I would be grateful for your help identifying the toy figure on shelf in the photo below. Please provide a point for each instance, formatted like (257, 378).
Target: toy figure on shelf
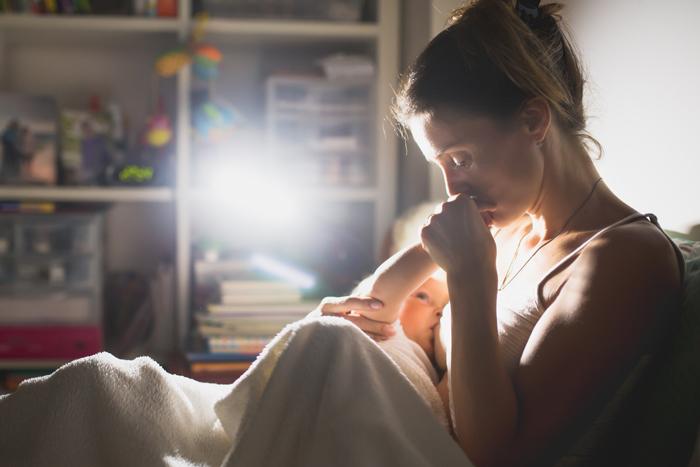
(153, 164)
(159, 131)
(93, 142)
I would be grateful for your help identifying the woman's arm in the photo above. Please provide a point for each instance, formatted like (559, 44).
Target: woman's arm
(395, 279)
(613, 306)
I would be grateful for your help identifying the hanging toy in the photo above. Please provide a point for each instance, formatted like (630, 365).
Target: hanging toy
(214, 121)
(204, 57)
(159, 131)
(171, 62)
(205, 63)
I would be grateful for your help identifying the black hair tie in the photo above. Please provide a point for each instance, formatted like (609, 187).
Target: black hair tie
(528, 11)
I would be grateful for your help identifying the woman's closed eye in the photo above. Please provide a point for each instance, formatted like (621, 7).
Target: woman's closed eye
(461, 160)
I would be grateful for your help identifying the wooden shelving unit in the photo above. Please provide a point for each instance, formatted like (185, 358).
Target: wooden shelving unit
(380, 36)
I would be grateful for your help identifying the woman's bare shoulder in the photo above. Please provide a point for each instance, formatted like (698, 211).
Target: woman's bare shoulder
(638, 245)
(632, 268)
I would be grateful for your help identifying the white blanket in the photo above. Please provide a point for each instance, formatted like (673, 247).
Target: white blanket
(321, 394)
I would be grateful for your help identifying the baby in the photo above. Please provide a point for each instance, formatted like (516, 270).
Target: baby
(416, 346)
(414, 294)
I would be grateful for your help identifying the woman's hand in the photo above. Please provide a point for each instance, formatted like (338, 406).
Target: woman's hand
(356, 310)
(458, 239)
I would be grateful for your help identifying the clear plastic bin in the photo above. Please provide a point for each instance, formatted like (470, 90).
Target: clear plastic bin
(293, 96)
(345, 136)
(50, 237)
(55, 272)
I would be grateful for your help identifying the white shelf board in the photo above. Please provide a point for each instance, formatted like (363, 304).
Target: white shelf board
(321, 194)
(31, 364)
(299, 29)
(86, 23)
(87, 194)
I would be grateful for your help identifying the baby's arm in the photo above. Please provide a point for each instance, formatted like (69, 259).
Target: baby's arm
(395, 279)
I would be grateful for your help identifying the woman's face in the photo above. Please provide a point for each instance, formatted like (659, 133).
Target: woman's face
(420, 313)
(479, 156)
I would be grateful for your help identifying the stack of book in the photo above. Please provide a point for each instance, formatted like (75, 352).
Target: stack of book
(247, 311)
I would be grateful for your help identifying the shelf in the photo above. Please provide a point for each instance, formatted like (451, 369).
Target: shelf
(75, 23)
(87, 194)
(31, 364)
(292, 29)
(320, 194)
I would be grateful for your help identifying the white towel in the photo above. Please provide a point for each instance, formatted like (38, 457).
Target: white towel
(102, 411)
(321, 394)
(417, 368)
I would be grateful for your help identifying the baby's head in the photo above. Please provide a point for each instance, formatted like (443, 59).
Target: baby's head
(421, 311)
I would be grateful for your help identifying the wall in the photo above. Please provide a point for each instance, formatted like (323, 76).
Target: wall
(412, 180)
(419, 181)
(643, 61)
(643, 64)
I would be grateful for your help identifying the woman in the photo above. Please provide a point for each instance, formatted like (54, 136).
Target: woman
(557, 287)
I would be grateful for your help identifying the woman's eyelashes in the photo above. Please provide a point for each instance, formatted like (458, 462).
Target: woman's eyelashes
(461, 160)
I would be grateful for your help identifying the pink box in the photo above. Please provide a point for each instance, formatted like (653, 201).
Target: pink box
(49, 342)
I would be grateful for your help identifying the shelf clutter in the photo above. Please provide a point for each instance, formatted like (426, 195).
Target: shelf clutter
(50, 291)
(151, 8)
(44, 145)
(243, 303)
(303, 82)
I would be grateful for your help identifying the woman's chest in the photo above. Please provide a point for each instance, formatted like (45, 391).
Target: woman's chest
(524, 269)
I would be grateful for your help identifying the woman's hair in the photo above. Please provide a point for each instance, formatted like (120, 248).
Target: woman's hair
(489, 61)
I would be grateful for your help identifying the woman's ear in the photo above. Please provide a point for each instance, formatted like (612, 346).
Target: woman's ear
(535, 116)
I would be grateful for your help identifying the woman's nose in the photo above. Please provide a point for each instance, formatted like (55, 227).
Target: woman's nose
(455, 184)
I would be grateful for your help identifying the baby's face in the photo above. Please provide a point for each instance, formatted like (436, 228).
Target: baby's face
(420, 313)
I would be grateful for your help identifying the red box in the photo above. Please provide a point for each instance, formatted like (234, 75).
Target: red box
(49, 342)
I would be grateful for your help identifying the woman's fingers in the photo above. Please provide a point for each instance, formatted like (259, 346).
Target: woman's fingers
(377, 330)
(341, 305)
(351, 309)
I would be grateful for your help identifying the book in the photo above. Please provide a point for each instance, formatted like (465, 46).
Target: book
(248, 328)
(238, 344)
(219, 366)
(244, 298)
(203, 356)
(257, 286)
(304, 306)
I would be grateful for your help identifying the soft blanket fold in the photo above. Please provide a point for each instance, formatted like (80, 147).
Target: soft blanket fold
(321, 394)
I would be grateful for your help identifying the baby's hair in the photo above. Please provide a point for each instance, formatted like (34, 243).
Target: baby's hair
(406, 229)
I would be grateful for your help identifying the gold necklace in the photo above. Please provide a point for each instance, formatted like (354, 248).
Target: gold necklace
(506, 278)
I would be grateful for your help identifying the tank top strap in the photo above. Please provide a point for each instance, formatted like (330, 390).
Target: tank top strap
(575, 253)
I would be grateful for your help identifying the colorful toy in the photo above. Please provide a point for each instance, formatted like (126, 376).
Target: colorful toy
(169, 63)
(206, 61)
(158, 130)
(214, 121)
(205, 57)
